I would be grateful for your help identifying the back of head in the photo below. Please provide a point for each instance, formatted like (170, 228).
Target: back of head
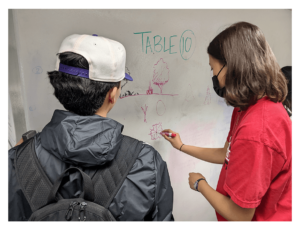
(77, 94)
(287, 71)
(252, 69)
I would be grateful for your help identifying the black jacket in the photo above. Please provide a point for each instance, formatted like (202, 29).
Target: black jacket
(88, 142)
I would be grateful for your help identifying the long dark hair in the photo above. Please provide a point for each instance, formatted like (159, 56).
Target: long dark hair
(252, 69)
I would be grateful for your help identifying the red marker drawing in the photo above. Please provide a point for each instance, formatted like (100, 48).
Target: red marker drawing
(169, 134)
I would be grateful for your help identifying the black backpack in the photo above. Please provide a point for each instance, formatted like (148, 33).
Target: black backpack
(92, 205)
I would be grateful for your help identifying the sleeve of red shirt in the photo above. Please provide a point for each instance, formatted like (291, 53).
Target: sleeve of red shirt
(248, 173)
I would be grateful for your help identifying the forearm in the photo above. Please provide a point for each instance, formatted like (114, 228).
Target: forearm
(212, 155)
(224, 205)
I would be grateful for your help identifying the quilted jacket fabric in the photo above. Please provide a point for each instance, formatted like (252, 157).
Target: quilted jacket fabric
(89, 142)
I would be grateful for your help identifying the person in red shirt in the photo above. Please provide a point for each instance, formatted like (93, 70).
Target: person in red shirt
(255, 180)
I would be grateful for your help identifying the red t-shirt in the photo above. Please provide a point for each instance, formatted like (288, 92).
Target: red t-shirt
(257, 170)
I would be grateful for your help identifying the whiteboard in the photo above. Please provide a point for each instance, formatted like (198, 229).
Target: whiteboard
(172, 87)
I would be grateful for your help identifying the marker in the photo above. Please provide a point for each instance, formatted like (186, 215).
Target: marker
(169, 134)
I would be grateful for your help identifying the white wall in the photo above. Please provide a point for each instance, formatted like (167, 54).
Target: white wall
(11, 127)
(16, 114)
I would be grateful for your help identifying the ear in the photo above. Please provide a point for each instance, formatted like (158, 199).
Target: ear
(112, 94)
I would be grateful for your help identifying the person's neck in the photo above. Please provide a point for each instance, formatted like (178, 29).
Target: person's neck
(103, 111)
(101, 114)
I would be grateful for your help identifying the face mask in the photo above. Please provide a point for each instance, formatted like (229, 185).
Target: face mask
(218, 90)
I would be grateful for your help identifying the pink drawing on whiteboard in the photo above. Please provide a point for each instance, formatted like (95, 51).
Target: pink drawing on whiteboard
(155, 131)
(208, 97)
(150, 89)
(160, 78)
(189, 93)
(160, 74)
(132, 94)
(160, 108)
(145, 111)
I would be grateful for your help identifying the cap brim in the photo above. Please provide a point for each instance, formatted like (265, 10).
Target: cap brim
(127, 77)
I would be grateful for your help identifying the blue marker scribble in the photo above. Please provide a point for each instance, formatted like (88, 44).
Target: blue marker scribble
(37, 70)
(32, 108)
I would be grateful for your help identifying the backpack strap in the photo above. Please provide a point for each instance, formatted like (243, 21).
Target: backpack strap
(88, 188)
(108, 180)
(32, 179)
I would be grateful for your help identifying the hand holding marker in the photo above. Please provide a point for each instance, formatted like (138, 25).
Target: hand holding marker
(173, 138)
(168, 134)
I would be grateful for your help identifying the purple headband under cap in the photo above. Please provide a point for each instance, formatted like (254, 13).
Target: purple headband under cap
(81, 72)
(73, 70)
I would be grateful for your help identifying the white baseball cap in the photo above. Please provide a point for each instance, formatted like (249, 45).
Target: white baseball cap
(106, 58)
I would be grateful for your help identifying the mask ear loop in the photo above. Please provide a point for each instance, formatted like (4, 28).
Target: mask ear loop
(221, 70)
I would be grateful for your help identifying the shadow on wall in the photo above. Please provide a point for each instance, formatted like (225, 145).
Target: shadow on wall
(11, 134)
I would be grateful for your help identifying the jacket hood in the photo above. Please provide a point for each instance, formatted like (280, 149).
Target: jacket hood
(82, 140)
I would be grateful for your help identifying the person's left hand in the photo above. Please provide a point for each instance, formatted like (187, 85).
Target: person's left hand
(193, 177)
